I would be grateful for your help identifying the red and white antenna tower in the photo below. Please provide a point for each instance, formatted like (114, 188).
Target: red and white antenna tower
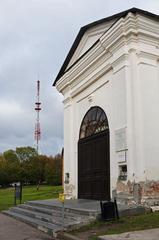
(37, 133)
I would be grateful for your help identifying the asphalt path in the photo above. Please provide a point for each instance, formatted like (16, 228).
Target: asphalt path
(11, 229)
(151, 234)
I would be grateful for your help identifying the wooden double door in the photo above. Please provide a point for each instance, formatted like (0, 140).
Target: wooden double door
(94, 167)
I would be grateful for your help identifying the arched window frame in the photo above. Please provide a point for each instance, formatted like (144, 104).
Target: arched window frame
(94, 121)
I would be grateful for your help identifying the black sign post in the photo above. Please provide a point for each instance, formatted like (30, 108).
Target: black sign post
(17, 193)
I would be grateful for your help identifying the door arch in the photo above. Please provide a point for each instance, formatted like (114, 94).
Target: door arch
(93, 156)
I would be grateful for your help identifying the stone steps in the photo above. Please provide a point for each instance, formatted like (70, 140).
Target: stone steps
(44, 210)
(43, 216)
(72, 210)
(48, 228)
(49, 218)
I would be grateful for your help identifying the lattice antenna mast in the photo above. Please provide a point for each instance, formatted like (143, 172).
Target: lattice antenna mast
(37, 124)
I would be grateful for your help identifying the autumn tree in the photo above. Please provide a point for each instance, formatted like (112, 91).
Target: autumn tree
(25, 165)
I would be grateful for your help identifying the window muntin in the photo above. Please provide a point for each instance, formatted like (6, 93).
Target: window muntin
(95, 121)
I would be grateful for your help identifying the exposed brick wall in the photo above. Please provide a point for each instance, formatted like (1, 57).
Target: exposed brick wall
(140, 193)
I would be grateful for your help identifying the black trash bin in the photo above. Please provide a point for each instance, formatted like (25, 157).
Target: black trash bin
(109, 210)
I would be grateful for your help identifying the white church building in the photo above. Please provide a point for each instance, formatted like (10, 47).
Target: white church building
(110, 84)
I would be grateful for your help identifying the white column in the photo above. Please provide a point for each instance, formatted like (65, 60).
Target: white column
(134, 120)
(68, 150)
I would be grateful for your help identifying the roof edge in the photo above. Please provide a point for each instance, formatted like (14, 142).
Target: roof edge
(95, 23)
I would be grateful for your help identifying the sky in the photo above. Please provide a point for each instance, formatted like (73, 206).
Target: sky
(35, 37)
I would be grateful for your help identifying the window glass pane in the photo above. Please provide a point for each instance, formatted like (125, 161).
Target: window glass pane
(95, 121)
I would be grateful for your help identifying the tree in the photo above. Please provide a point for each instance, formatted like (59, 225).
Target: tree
(37, 168)
(58, 169)
(3, 174)
(25, 153)
(49, 172)
(10, 156)
(53, 170)
(11, 164)
(25, 165)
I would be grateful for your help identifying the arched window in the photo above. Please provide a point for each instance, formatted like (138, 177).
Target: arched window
(95, 121)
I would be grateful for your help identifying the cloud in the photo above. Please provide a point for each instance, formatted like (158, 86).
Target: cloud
(8, 109)
(35, 37)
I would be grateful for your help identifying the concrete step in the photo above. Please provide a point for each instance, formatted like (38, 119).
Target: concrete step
(48, 228)
(68, 209)
(48, 218)
(51, 212)
(45, 217)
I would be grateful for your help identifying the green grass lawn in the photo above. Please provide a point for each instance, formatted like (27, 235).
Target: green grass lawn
(29, 193)
(125, 224)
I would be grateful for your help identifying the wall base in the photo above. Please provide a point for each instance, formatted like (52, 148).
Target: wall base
(143, 192)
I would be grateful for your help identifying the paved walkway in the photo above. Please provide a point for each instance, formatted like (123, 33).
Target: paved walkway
(11, 229)
(152, 234)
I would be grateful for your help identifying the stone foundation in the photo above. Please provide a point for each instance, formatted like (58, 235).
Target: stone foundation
(146, 193)
(69, 190)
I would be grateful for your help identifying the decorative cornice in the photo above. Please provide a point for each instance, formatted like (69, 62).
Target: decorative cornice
(148, 58)
(79, 68)
(67, 102)
(120, 62)
(90, 33)
(90, 80)
(112, 52)
(92, 93)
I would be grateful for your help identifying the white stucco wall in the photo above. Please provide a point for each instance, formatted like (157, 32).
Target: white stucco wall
(109, 92)
(149, 82)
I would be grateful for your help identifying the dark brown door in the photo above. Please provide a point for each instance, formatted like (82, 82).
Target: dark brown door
(94, 167)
